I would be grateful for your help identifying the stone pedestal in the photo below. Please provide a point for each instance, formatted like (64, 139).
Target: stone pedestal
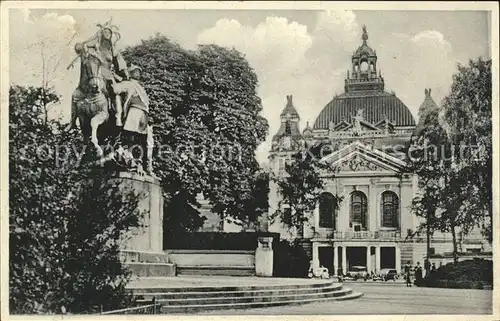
(264, 257)
(142, 247)
(148, 237)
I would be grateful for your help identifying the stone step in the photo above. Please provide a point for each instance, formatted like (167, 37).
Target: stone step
(215, 270)
(313, 284)
(250, 299)
(147, 297)
(346, 294)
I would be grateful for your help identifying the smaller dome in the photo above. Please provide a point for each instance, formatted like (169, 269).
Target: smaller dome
(363, 50)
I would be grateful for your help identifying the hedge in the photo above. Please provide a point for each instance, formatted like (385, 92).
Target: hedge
(290, 260)
(245, 241)
(454, 284)
(470, 274)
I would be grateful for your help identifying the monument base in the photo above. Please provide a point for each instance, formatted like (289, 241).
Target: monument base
(142, 247)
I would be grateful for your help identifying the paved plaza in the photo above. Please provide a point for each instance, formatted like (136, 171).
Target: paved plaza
(388, 298)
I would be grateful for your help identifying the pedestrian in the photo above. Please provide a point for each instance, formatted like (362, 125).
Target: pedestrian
(433, 268)
(407, 274)
(418, 275)
(427, 267)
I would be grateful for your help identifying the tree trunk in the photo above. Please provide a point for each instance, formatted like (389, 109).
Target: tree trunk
(427, 264)
(455, 250)
(300, 226)
(221, 223)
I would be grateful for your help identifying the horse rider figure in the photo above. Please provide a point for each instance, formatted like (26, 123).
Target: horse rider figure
(114, 66)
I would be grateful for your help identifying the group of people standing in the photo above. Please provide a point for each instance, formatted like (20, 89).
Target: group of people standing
(418, 272)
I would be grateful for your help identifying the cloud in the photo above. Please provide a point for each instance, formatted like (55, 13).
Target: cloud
(308, 61)
(311, 64)
(290, 59)
(422, 60)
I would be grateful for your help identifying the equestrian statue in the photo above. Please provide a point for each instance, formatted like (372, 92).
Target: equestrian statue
(110, 103)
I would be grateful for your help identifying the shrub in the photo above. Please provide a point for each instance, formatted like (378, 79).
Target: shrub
(65, 229)
(290, 260)
(470, 274)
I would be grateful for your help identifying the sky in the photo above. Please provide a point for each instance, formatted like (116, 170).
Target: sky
(305, 53)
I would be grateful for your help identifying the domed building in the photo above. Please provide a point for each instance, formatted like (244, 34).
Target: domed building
(364, 134)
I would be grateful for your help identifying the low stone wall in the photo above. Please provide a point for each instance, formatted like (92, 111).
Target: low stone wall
(215, 258)
(449, 259)
(145, 269)
(143, 263)
(143, 256)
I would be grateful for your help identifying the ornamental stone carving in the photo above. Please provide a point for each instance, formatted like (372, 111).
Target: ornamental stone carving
(357, 163)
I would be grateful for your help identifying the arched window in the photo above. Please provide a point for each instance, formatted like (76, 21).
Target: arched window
(358, 209)
(327, 210)
(390, 209)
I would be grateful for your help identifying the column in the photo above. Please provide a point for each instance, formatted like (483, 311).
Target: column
(372, 208)
(344, 259)
(335, 260)
(264, 257)
(377, 258)
(368, 259)
(398, 259)
(316, 218)
(315, 255)
(344, 215)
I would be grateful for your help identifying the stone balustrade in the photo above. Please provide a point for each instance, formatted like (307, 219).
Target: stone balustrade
(361, 235)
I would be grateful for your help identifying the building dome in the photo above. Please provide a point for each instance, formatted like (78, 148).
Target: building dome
(377, 106)
(364, 89)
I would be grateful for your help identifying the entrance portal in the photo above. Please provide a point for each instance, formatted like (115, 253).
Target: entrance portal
(387, 257)
(356, 256)
(326, 257)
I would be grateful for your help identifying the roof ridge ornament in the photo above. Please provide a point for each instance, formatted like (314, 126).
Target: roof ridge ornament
(365, 35)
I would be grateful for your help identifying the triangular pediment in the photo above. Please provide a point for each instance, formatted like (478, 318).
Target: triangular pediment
(341, 126)
(358, 157)
(365, 126)
(385, 123)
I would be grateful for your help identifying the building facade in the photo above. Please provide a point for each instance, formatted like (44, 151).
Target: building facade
(363, 134)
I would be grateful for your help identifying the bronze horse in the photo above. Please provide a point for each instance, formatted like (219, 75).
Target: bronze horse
(90, 102)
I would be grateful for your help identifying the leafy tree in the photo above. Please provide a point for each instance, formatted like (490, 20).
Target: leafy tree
(424, 159)
(468, 114)
(207, 126)
(300, 187)
(64, 231)
(453, 180)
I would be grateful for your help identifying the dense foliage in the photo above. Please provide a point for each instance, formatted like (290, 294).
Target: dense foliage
(290, 260)
(452, 156)
(205, 112)
(465, 274)
(64, 232)
(299, 188)
(468, 113)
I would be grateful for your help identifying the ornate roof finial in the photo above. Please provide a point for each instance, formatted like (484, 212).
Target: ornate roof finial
(365, 35)
(289, 99)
